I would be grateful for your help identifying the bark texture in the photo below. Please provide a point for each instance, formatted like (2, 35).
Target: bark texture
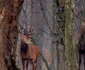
(9, 10)
(69, 36)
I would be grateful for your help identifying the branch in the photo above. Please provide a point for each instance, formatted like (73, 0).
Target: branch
(44, 61)
(42, 9)
(35, 27)
(77, 16)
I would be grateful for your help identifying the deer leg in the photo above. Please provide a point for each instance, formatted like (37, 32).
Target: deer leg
(79, 61)
(23, 63)
(27, 63)
(34, 65)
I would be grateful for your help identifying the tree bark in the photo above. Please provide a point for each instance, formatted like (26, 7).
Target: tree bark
(8, 30)
(54, 50)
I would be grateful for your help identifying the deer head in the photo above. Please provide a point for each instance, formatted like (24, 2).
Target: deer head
(29, 31)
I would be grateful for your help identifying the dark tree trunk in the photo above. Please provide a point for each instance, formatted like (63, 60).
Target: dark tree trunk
(8, 29)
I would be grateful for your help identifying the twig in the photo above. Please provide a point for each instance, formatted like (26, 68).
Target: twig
(42, 9)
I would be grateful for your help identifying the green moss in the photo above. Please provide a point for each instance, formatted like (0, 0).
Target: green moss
(69, 31)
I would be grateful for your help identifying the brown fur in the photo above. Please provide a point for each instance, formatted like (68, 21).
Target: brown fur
(31, 55)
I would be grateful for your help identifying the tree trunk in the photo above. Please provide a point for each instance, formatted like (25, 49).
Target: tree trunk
(8, 30)
(69, 36)
(54, 50)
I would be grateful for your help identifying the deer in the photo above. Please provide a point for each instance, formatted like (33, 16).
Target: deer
(81, 40)
(28, 51)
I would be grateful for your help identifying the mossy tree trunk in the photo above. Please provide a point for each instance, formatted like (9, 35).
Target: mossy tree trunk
(70, 48)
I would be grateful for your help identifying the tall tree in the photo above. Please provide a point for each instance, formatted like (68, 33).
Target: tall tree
(69, 36)
(9, 10)
(54, 55)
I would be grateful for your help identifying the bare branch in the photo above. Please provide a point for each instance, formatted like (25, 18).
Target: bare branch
(41, 6)
(77, 16)
(34, 27)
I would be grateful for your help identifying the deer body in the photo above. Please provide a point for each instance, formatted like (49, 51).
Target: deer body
(81, 40)
(81, 44)
(32, 53)
(29, 53)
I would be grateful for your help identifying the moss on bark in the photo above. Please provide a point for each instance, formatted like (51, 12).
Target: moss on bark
(69, 38)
